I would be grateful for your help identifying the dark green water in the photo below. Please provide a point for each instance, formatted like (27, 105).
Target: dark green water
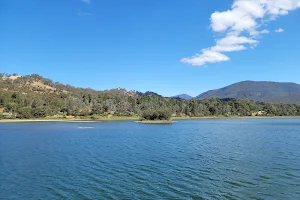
(201, 159)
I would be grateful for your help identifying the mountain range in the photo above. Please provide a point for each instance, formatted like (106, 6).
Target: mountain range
(262, 91)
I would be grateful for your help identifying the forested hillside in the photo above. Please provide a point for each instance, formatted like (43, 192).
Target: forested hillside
(33, 96)
(263, 91)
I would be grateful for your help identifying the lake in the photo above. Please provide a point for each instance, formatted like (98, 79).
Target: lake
(190, 159)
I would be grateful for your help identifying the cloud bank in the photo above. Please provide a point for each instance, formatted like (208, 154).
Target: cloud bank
(241, 27)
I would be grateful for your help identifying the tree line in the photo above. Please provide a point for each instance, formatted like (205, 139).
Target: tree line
(33, 96)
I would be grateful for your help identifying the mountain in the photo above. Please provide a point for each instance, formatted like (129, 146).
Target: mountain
(183, 96)
(263, 91)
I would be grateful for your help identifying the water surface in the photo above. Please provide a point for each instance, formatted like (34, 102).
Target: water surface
(195, 159)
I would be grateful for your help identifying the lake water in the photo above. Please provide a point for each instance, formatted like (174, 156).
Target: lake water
(195, 159)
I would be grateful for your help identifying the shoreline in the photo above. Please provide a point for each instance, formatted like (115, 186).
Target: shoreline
(144, 122)
(108, 119)
(236, 117)
(156, 122)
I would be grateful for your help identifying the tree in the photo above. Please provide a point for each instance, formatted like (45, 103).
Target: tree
(24, 113)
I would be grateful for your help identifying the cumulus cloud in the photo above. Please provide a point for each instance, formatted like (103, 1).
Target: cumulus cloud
(280, 30)
(207, 56)
(241, 26)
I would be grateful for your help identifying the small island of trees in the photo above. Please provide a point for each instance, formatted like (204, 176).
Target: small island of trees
(158, 116)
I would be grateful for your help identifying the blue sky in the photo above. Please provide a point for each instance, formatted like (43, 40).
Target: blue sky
(169, 47)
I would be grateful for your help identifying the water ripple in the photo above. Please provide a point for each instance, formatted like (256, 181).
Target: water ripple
(201, 159)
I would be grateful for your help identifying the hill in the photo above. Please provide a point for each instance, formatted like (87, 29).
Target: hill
(262, 91)
(183, 96)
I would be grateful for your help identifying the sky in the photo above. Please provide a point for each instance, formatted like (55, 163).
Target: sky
(169, 47)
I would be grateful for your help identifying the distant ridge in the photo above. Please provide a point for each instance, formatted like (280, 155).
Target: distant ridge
(263, 91)
(183, 96)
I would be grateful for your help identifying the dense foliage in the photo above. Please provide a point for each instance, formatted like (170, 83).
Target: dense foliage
(156, 115)
(35, 97)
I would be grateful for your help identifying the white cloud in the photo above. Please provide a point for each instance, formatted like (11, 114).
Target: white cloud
(280, 30)
(241, 17)
(265, 31)
(232, 40)
(241, 26)
(207, 56)
(86, 1)
(232, 43)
